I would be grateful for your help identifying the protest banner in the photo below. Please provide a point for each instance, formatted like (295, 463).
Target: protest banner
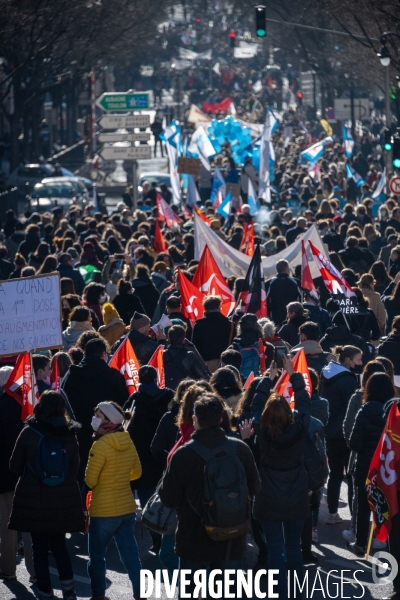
(233, 262)
(190, 166)
(30, 314)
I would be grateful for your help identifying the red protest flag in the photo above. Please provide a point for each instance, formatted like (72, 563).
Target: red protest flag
(283, 385)
(165, 212)
(191, 297)
(157, 361)
(335, 283)
(253, 296)
(307, 282)
(209, 280)
(222, 106)
(125, 361)
(248, 381)
(159, 244)
(248, 239)
(383, 483)
(55, 379)
(262, 357)
(21, 385)
(202, 216)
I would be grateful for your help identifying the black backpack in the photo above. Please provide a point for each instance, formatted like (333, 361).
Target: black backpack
(51, 461)
(313, 462)
(174, 369)
(226, 501)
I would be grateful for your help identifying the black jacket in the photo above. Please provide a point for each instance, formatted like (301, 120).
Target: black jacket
(392, 310)
(281, 290)
(391, 349)
(147, 293)
(358, 259)
(143, 346)
(363, 324)
(318, 315)
(127, 305)
(148, 405)
(37, 507)
(166, 436)
(180, 363)
(340, 335)
(337, 385)
(87, 384)
(284, 492)
(10, 428)
(211, 334)
(365, 437)
(289, 332)
(183, 488)
(67, 270)
(6, 268)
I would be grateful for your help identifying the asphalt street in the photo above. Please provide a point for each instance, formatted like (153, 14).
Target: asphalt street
(331, 550)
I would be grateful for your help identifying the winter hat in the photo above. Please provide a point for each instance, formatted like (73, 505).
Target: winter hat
(109, 313)
(111, 412)
(248, 320)
(215, 224)
(138, 321)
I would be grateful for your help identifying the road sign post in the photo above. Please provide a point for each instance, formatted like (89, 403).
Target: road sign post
(124, 121)
(134, 184)
(125, 152)
(124, 101)
(106, 138)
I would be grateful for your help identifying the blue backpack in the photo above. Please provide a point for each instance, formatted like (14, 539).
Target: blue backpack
(250, 359)
(51, 462)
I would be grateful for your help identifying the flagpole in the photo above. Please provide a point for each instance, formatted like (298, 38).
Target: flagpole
(371, 534)
(32, 380)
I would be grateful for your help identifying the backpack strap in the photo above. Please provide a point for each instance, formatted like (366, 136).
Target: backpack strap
(208, 453)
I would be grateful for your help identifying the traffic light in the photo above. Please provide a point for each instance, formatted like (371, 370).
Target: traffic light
(261, 21)
(232, 37)
(396, 153)
(387, 140)
(299, 96)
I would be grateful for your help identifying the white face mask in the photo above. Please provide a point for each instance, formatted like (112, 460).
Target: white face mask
(102, 298)
(96, 422)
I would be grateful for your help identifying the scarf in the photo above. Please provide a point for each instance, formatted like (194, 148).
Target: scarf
(186, 433)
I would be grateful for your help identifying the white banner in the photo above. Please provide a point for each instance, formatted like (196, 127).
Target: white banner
(197, 116)
(30, 314)
(233, 262)
(190, 55)
(245, 50)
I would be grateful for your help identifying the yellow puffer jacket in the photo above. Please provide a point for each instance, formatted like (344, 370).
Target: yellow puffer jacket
(113, 463)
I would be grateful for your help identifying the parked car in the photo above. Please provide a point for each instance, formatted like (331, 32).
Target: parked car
(76, 182)
(46, 196)
(26, 176)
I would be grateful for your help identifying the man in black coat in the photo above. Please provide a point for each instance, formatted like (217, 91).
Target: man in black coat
(87, 384)
(179, 362)
(340, 335)
(66, 269)
(212, 333)
(182, 488)
(143, 346)
(281, 290)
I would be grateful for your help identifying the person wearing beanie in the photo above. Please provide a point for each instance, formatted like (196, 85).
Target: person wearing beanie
(113, 327)
(113, 464)
(143, 346)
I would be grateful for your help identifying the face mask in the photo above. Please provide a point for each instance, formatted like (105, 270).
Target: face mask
(102, 298)
(96, 422)
(47, 380)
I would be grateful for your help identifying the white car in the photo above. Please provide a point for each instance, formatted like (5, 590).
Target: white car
(46, 196)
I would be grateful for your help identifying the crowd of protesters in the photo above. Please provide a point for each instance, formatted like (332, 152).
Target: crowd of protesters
(124, 449)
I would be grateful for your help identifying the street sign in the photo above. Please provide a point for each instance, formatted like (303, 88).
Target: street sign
(343, 109)
(124, 121)
(125, 152)
(104, 138)
(394, 185)
(124, 101)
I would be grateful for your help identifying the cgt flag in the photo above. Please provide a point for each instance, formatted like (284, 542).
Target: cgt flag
(209, 280)
(21, 385)
(159, 244)
(165, 212)
(253, 296)
(283, 385)
(157, 361)
(336, 283)
(248, 239)
(382, 483)
(125, 361)
(192, 298)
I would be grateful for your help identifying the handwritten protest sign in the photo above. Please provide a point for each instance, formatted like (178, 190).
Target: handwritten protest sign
(30, 314)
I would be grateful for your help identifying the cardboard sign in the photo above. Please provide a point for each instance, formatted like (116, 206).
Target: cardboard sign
(234, 188)
(190, 166)
(30, 314)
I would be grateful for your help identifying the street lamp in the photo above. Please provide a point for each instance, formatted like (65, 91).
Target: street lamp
(384, 57)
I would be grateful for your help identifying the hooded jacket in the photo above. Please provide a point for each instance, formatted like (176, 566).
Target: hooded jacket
(180, 363)
(113, 464)
(340, 335)
(337, 385)
(365, 437)
(148, 406)
(160, 281)
(113, 330)
(73, 332)
(39, 508)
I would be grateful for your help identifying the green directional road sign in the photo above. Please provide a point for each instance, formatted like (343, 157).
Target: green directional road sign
(124, 101)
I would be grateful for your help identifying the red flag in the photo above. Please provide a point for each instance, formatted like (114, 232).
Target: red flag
(383, 476)
(159, 244)
(222, 106)
(261, 354)
(307, 282)
(191, 297)
(165, 212)
(202, 216)
(253, 296)
(209, 280)
(21, 385)
(55, 379)
(248, 381)
(335, 283)
(186, 213)
(125, 361)
(283, 385)
(248, 240)
(157, 361)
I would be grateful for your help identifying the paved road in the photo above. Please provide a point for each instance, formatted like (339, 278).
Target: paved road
(331, 551)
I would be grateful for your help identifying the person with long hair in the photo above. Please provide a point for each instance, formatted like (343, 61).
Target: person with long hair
(37, 257)
(364, 439)
(48, 512)
(49, 265)
(381, 276)
(367, 286)
(390, 348)
(227, 386)
(126, 302)
(80, 320)
(94, 297)
(392, 305)
(283, 504)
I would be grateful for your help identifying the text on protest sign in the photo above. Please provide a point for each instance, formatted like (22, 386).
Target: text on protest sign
(30, 314)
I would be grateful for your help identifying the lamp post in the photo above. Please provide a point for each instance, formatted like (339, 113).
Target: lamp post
(384, 57)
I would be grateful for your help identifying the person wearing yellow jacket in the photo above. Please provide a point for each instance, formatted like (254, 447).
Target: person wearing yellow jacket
(113, 464)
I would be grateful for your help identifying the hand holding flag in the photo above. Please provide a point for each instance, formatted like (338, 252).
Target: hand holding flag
(125, 361)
